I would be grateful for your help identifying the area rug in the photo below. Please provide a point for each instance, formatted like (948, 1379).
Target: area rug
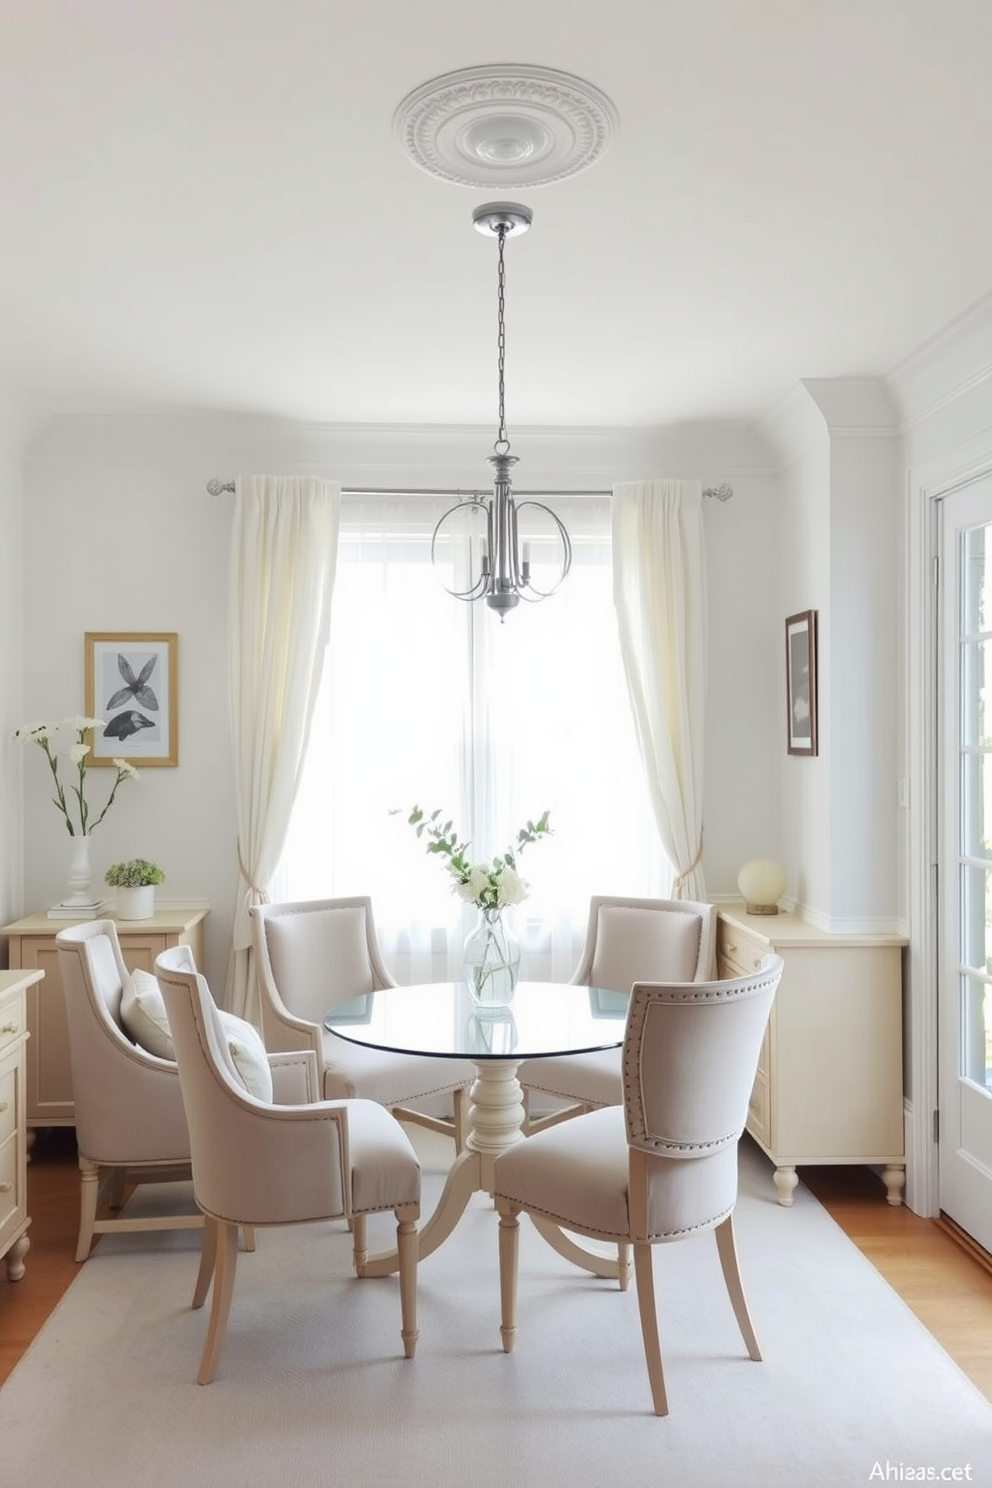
(311, 1389)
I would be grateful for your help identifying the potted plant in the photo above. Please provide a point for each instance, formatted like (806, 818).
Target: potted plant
(135, 883)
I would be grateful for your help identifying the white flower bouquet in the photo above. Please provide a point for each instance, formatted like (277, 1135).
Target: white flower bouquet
(491, 886)
(43, 735)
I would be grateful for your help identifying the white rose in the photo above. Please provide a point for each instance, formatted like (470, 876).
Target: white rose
(511, 888)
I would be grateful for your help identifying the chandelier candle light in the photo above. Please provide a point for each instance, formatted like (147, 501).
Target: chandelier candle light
(503, 576)
(492, 953)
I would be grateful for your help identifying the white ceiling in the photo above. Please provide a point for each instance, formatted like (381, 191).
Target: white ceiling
(203, 206)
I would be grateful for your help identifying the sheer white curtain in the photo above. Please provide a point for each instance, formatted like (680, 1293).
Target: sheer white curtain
(660, 592)
(432, 702)
(283, 545)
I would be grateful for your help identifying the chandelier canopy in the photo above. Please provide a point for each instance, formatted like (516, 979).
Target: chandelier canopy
(499, 566)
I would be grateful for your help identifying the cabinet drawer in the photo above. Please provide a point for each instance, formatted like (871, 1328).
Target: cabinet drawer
(8, 1102)
(13, 1016)
(10, 1198)
(738, 953)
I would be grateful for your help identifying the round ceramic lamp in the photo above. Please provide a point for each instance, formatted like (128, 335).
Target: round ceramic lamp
(762, 882)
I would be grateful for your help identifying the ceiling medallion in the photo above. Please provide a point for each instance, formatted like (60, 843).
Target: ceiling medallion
(505, 125)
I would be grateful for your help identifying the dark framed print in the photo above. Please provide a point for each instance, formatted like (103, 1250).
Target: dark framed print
(800, 681)
(132, 686)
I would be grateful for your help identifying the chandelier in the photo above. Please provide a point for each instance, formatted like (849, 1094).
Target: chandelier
(499, 566)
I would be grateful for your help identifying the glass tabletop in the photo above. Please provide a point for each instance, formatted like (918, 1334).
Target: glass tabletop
(439, 1018)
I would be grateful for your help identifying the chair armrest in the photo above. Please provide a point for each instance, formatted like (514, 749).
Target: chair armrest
(294, 1077)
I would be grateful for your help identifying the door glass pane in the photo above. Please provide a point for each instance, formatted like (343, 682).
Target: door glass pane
(976, 661)
(976, 804)
(976, 918)
(974, 586)
(976, 1042)
(975, 807)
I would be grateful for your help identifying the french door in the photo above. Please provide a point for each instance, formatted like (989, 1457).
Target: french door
(964, 753)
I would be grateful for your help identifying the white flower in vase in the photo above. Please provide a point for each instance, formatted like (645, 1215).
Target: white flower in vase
(492, 953)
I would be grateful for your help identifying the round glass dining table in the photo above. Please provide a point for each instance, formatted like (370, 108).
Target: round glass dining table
(440, 1019)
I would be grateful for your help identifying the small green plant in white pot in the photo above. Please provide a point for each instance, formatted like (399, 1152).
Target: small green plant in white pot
(135, 883)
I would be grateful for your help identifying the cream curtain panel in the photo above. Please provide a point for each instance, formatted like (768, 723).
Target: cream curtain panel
(659, 587)
(282, 563)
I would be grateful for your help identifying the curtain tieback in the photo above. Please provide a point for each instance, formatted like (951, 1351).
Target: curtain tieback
(263, 897)
(679, 882)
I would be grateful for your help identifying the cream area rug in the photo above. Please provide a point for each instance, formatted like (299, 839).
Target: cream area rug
(312, 1391)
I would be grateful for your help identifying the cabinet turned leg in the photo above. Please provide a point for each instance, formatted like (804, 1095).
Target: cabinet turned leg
(15, 1258)
(785, 1181)
(894, 1178)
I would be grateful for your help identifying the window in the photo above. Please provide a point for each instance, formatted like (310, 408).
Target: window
(429, 701)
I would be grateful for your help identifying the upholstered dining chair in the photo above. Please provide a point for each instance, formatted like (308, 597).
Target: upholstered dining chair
(627, 941)
(661, 1167)
(257, 1163)
(311, 954)
(130, 1119)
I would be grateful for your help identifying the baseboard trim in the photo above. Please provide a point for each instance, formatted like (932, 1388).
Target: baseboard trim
(966, 1241)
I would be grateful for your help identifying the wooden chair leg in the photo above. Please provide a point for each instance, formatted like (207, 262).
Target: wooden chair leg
(208, 1262)
(89, 1192)
(726, 1245)
(227, 1261)
(509, 1246)
(644, 1277)
(359, 1243)
(408, 1251)
(115, 1188)
(623, 1265)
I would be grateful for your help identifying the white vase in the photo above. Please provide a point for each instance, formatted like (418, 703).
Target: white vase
(492, 961)
(79, 874)
(136, 903)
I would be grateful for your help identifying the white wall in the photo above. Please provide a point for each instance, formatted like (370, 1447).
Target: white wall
(120, 534)
(11, 652)
(840, 555)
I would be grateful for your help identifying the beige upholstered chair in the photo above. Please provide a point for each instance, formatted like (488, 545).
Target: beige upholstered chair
(627, 941)
(256, 1163)
(314, 953)
(662, 1166)
(130, 1121)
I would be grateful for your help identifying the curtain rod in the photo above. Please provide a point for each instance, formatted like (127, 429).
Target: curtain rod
(216, 488)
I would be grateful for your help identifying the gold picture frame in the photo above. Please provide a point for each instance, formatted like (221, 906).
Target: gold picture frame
(800, 682)
(132, 684)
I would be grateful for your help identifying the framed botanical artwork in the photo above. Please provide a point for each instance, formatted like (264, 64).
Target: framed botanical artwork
(800, 681)
(132, 684)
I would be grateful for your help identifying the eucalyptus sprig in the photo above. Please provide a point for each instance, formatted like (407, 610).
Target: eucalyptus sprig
(489, 885)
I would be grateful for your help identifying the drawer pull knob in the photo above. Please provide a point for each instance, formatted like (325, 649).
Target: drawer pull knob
(6, 1187)
(8, 1027)
(4, 1106)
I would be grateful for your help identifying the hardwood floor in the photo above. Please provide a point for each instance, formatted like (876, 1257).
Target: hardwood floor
(949, 1289)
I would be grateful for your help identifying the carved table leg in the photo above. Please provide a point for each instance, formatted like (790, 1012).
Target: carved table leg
(496, 1117)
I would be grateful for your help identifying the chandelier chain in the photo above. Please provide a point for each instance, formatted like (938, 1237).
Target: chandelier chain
(502, 445)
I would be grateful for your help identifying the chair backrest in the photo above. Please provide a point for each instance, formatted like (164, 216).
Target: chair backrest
(631, 940)
(312, 953)
(128, 1105)
(244, 1168)
(690, 1054)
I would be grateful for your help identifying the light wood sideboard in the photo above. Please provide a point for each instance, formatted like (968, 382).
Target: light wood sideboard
(829, 1087)
(14, 1219)
(31, 946)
